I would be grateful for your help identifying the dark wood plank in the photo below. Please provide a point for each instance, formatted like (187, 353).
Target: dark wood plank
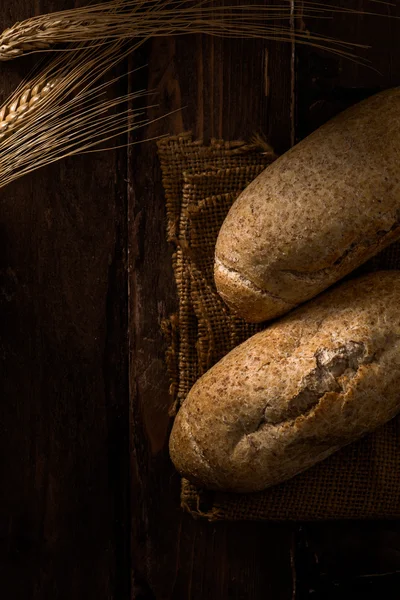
(327, 84)
(347, 560)
(64, 409)
(350, 561)
(221, 86)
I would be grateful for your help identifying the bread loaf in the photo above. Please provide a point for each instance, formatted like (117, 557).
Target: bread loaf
(295, 393)
(315, 214)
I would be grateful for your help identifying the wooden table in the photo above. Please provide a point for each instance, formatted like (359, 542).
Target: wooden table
(89, 502)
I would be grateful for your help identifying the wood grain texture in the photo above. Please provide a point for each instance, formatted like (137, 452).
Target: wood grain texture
(64, 409)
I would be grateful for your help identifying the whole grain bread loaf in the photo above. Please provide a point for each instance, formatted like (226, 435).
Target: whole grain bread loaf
(293, 394)
(315, 214)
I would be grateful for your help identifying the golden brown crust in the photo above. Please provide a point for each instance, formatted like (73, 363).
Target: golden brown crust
(295, 393)
(315, 214)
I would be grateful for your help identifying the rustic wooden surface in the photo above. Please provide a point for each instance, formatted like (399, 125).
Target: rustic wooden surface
(89, 502)
(64, 414)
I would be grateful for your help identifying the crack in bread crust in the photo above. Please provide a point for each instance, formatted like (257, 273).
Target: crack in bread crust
(332, 365)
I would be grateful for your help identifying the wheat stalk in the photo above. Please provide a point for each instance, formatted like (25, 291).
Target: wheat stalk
(128, 19)
(64, 110)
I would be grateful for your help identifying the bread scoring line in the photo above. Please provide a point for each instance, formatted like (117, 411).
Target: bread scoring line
(250, 284)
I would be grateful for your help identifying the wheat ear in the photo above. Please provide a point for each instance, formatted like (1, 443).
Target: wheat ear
(12, 114)
(134, 19)
(65, 110)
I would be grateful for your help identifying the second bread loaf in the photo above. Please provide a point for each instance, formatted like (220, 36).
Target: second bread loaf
(295, 393)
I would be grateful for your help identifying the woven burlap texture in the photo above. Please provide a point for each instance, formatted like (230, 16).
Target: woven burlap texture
(201, 182)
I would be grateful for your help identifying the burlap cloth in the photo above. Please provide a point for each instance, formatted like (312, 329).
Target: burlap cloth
(201, 182)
